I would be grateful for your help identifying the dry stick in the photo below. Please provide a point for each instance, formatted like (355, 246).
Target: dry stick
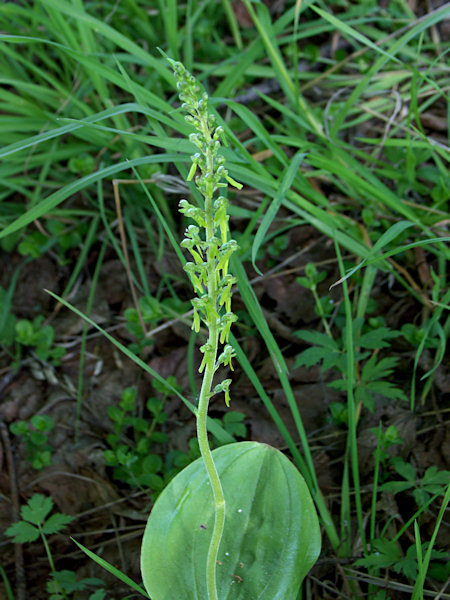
(391, 585)
(21, 589)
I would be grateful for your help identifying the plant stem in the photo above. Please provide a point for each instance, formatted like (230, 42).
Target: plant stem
(210, 279)
(219, 500)
(205, 392)
(47, 550)
(50, 557)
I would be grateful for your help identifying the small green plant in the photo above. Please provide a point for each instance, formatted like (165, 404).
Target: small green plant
(36, 523)
(32, 334)
(63, 584)
(227, 508)
(135, 444)
(61, 237)
(82, 164)
(233, 423)
(151, 312)
(388, 554)
(375, 370)
(133, 462)
(433, 481)
(35, 436)
(134, 438)
(26, 333)
(278, 245)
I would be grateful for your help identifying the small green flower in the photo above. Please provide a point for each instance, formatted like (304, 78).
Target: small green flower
(208, 240)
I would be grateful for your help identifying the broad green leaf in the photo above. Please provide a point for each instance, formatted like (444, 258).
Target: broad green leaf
(98, 595)
(433, 476)
(385, 554)
(312, 356)
(23, 532)
(386, 389)
(271, 537)
(378, 369)
(395, 486)
(317, 338)
(56, 522)
(37, 509)
(114, 413)
(406, 470)
(376, 338)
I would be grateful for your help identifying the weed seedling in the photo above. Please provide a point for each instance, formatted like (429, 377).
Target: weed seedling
(32, 334)
(152, 312)
(35, 436)
(432, 482)
(233, 423)
(36, 523)
(133, 440)
(375, 371)
(60, 237)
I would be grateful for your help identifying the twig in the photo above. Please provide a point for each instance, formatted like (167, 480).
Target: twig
(21, 590)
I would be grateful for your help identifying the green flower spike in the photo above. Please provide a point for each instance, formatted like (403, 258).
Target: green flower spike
(268, 538)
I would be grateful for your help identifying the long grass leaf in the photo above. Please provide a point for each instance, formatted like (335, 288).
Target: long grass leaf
(215, 428)
(395, 47)
(271, 212)
(111, 34)
(113, 570)
(350, 32)
(393, 252)
(49, 203)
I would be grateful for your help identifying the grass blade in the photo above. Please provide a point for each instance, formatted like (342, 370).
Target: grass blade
(271, 212)
(113, 570)
(215, 428)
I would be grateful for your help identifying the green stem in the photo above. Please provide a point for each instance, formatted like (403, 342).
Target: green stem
(205, 392)
(321, 313)
(47, 550)
(219, 500)
(49, 556)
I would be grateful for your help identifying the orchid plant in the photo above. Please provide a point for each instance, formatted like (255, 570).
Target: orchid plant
(238, 523)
